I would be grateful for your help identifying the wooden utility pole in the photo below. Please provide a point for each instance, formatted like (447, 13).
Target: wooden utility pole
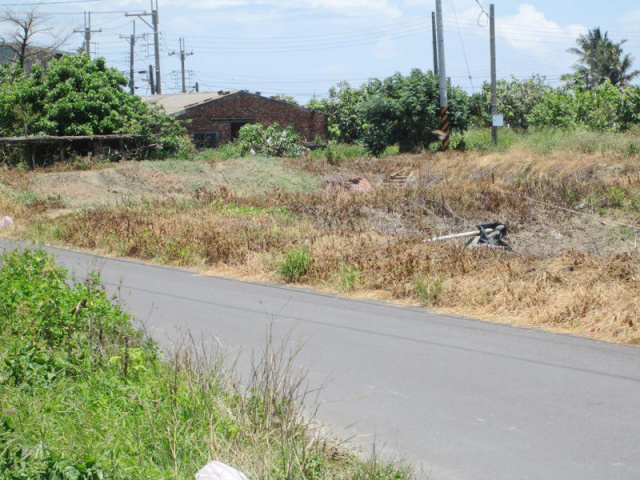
(183, 57)
(86, 32)
(494, 74)
(132, 53)
(434, 43)
(442, 71)
(152, 84)
(155, 25)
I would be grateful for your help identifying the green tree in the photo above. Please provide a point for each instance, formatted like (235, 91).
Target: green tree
(602, 59)
(80, 96)
(603, 107)
(516, 98)
(405, 110)
(345, 124)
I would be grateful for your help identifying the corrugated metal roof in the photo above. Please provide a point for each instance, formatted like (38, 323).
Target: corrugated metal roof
(175, 104)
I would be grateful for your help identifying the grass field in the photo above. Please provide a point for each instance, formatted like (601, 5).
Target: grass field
(573, 217)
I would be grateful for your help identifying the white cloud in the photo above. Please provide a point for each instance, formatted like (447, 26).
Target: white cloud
(530, 29)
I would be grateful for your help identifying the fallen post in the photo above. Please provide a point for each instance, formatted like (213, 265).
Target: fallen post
(490, 235)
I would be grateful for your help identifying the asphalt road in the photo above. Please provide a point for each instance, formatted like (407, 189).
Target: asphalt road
(461, 398)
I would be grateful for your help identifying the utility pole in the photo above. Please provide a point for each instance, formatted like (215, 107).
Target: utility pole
(183, 57)
(435, 43)
(132, 44)
(494, 74)
(444, 101)
(86, 32)
(152, 85)
(155, 22)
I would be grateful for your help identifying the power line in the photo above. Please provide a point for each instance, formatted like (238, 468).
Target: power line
(37, 4)
(464, 50)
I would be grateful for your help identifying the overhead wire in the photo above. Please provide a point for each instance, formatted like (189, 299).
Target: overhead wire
(482, 12)
(464, 50)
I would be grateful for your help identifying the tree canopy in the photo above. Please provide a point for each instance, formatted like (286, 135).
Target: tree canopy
(601, 59)
(400, 109)
(80, 96)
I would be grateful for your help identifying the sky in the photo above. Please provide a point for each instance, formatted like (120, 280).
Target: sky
(302, 47)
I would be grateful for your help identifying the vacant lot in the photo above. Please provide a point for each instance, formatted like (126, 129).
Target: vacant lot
(573, 220)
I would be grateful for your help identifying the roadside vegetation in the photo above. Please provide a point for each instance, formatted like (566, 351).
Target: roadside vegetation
(84, 396)
(573, 226)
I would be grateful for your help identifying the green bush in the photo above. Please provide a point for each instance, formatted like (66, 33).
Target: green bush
(399, 110)
(295, 265)
(79, 96)
(404, 110)
(271, 141)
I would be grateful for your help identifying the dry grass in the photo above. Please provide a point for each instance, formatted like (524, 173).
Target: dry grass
(573, 272)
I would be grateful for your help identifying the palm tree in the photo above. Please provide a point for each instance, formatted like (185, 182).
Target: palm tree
(601, 59)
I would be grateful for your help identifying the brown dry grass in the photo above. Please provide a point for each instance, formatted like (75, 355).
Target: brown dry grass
(571, 272)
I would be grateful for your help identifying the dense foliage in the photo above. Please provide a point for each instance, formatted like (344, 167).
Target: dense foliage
(271, 141)
(534, 103)
(399, 110)
(79, 96)
(516, 98)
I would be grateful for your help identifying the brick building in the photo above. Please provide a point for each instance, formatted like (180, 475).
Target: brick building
(216, 118)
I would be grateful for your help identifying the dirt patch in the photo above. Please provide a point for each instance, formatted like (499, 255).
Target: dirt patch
(132, 182)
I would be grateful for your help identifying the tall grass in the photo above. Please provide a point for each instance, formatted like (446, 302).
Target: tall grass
(548, 141)
(84, 396)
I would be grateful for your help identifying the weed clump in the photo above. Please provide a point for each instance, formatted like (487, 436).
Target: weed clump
(295, 265)
(348, 277)
(429, 289)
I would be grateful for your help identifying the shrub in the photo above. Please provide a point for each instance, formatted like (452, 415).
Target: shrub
(272, 141)
(80, 96)
(404, 110)
(295, 265)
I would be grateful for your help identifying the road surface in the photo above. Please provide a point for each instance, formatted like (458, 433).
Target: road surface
(461, 399)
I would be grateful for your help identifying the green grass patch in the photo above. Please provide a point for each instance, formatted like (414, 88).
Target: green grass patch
(295, 265)
(547, 141)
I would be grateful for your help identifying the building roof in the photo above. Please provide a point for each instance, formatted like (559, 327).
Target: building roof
(175, 104)
(179, 103)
